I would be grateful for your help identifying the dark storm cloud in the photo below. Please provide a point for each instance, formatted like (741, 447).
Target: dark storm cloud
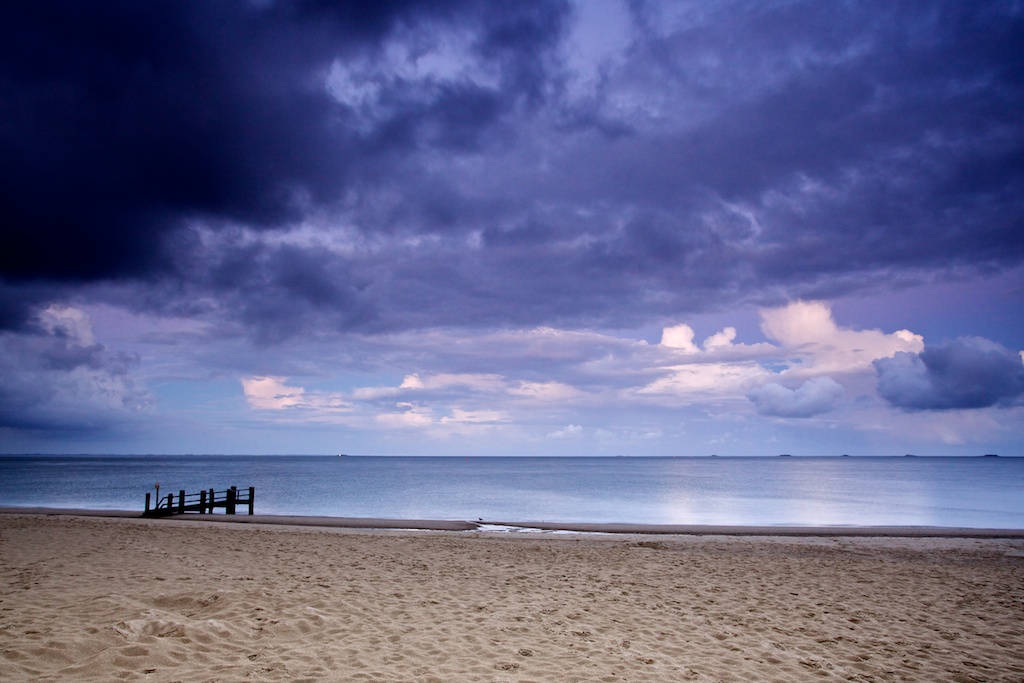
(279, 291)
(967, 373)
(122, 120)
(746, 153)
(861, 137)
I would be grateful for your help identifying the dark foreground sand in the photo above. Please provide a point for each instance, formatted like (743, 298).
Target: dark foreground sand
(101, 599)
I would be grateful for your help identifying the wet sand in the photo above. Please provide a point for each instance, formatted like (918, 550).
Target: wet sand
(100, 598)
(581, 527)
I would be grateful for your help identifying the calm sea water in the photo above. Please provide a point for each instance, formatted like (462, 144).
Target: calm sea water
(962, 492)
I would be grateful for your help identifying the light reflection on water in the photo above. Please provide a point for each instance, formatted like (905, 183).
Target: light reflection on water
(968, 492)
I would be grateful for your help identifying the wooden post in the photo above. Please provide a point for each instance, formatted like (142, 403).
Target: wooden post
(147, 505)
(181, 502)
(211, 501)
(252, 497)
(232, 495)
(202, 502)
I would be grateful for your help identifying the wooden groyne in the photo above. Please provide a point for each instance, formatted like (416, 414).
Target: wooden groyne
(203, 503)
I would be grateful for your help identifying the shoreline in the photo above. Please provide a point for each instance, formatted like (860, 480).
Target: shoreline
(504, 526)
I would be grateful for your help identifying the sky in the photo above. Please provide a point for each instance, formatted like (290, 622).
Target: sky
(512, 228)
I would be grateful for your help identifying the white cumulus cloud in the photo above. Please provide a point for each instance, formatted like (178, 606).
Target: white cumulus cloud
(568, 432)
(807, 330)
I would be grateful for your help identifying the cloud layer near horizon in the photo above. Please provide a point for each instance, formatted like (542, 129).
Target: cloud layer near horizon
(270, 177)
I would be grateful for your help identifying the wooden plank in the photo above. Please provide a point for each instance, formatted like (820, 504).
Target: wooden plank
(204, 502)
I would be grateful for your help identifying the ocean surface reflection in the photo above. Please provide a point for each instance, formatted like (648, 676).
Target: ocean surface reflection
(868, 491)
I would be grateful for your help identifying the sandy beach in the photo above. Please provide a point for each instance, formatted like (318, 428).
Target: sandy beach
(100, 599)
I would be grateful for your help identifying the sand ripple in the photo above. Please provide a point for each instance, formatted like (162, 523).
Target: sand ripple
(91, 599)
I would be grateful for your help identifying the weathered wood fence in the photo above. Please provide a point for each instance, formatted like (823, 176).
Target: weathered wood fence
(204, 502)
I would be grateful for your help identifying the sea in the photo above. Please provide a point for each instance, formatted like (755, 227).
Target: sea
(971, 492)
